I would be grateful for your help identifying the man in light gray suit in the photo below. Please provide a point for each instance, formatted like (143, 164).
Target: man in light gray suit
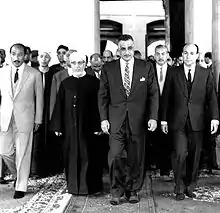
(21, 113)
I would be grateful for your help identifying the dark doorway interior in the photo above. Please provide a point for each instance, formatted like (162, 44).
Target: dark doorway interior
(177, 27)
(109, 30)
(155, 32)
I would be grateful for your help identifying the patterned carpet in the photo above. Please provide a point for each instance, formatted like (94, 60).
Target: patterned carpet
(49, 192)
(208, 189)
(50, 196)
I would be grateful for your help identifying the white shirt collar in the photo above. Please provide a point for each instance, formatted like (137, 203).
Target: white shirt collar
(164, 66)
(130, 63)
(192, 68)
(20, 69)
(70, 72)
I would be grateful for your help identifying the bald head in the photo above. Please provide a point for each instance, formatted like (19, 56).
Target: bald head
(190, 54)
(107, 56)
(96, 62)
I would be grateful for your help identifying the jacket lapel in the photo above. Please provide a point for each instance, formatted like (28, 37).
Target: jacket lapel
(118, 77)
(195, 79)
(135, 76)
(182, 80)
(24, 78)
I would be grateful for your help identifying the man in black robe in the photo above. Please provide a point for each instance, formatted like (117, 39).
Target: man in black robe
(46, 154)
(76, 117)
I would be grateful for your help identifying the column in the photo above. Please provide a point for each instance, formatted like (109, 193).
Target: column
(216, 39)
(195, 20)
(166, 6)
(86, 25)
(189, 21)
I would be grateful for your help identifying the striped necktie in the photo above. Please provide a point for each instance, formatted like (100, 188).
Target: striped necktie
(127, 80)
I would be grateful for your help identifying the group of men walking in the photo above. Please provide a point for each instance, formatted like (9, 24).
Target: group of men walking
(133, 102)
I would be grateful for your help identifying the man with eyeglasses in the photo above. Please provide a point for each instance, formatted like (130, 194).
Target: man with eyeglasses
(76, 117)
(128, 105)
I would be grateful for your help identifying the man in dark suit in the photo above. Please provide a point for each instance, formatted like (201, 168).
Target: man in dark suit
(61, 52)
(161, 146)
(187, 92)
(96, 65)
(128, 104)
(208, 60)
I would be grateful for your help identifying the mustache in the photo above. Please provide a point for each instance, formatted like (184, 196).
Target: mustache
(17, 61)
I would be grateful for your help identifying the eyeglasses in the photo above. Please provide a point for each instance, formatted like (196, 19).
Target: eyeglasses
(61, 52)
(79, 63)
(130, 48)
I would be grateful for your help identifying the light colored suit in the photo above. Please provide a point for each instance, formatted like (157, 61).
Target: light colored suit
(20, 109)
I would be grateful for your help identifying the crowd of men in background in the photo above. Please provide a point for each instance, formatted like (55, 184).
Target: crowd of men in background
(60, 91)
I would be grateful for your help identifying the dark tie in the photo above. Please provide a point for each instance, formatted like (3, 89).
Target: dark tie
(16, 76)
(189, 76)
(127, 80)
(189, 82)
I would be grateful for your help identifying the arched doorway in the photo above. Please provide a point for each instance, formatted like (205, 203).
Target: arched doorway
(155, 32)
(109, 31)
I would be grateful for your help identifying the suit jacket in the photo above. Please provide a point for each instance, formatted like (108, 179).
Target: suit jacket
(142, 103)
(177, 106)
(160, 95)
(89, 71)
(27, 102)
(56, 81)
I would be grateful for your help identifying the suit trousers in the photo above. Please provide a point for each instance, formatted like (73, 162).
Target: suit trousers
(126, 160)
(187, 151)
(1, 168)
(15, 149)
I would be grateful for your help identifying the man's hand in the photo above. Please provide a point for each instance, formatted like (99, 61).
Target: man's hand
(36, 127)
(58, 133)
(152, 125)
(164, 127)
(214, 126)
(105, 126)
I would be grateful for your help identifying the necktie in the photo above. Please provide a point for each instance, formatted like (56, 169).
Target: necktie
(127, 80)
(161, 75)
(16, 76)
(98, 75)
(189, 76)
(189, 83)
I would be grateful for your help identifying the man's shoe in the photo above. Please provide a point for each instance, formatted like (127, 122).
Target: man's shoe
(190, 194)
(3, 181)
(133, 198)
(115, 201)
(180, 196)
(19, 194)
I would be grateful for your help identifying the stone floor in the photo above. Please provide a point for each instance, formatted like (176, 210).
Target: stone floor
(49, 195)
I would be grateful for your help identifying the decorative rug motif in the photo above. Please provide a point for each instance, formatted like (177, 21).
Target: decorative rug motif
(208, 192)
(49, 192)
